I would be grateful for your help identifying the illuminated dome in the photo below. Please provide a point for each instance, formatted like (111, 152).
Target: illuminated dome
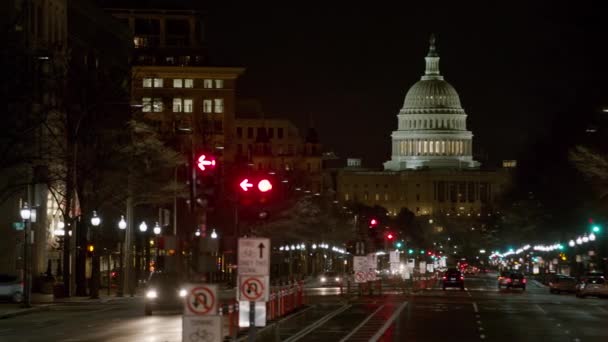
(432, 128)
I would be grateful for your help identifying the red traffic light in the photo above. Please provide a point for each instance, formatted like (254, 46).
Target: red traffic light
(390, 236)
(264, 185)
(373, 222)
(205, 162)
(245, 184)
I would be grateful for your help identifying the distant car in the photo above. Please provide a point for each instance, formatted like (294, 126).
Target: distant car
(592, 286)
(331, 279)
(561, 283)
(512, 280)
(11, 288)
(453, 278)
(164, 291)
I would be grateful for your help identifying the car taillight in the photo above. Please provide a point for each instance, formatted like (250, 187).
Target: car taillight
(461, 278)
(444, 277)
(524, 280)
(508, 280)
(113, 274)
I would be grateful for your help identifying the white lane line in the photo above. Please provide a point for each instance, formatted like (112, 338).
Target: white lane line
(362, 324)
(388, 323)
(318, 323)
(475, 307)
(540, 308)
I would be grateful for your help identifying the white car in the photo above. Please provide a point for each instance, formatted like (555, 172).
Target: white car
(592, 286)
(11, 288)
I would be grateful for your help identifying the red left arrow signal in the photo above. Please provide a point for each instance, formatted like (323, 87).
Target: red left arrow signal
(245, 185)
(204, 163)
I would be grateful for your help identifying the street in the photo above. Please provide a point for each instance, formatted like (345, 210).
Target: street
(481, 312)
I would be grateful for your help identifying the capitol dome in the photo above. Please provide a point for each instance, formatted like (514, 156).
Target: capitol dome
(432, 130)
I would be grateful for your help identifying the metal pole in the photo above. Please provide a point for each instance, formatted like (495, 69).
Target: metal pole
(26, 268)
(120, 289)
(109, 272)
(252, 322)
(126, 277)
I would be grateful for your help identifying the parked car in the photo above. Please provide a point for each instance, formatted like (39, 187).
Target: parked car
(561, 283)
(592, 286)
(11, 288)
(512, 279)
(331, 279)
(164, 291)
(453, 278)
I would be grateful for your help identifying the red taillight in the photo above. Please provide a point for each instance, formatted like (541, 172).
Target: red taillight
(461, 278)
(524, 280)
(113, 274)
(508, 280)
(444, 277)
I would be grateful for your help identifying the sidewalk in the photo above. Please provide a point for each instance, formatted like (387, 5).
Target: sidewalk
(41, 302)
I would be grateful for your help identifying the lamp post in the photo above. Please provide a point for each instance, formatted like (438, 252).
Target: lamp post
(26, 214)
(143, 228)
(122, 225)
(95, 274)
(157, 231)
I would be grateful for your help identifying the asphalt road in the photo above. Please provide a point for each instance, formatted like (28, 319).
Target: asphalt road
(480, 313)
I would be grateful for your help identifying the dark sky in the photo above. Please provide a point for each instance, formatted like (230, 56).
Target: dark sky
(526, 75)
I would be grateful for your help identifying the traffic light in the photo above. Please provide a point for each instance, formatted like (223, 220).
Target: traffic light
(399, 244)
(205, 163)
(203, 182)
(596, 228)
(410, 251)
(91, 248)
(255, 193)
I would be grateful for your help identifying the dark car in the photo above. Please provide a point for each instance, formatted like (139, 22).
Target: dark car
(11, 288)
(164, 291)
(453, 278)
(561, 283)
(512, 280)
(331, 279)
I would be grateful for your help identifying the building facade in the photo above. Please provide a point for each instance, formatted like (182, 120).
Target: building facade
(431, 170)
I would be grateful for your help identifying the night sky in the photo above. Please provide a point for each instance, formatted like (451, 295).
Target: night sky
(525, 75)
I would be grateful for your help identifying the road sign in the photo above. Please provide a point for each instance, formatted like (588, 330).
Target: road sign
(253, 288)
(360, 263)
(422, 266)
(18, 225)
(360, 277)
(254, 256)
(394, 257)
(202, 329)
(201, 300)
(371, 275)
(260, 314)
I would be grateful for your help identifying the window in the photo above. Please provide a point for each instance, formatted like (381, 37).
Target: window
(177, 105)
(219, 84)
(207, 104)
(158, 83)
(218, 126)
(208, 84)
(280, 132)
(188, 83)
(178, 83)
(386, 197)
(271, 133)
(188, 105)
(146, 103)
(377, 197)
(218, 105)
(250, 132)
(239, 149)
(157, 105)
(239, 132)
(147, 83)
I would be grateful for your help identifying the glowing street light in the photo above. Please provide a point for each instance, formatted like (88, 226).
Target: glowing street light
(122, 224)
(571, 243)
(143, 227)
(213, 234)
(95, 220)
(591, 237)
(157, 228)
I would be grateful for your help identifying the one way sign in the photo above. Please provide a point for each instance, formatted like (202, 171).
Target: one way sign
(254, 256)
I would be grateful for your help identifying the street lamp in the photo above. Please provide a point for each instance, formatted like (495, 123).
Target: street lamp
(213, 234)
(591, 237)
(26, 214)
(579, 240)
(157, 229)
(95, 276)
(143, 227)
(122, 225)
(571, 243)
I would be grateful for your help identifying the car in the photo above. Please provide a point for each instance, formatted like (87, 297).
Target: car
(453, 278)
(592, 286)
(511, 280)
(561, 283)
(331, 279)
(11, 288)
(164, 291)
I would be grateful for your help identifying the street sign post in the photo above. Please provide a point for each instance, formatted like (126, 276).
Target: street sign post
(253, 271)
(360, 268)
(372, 264)
(200, 321)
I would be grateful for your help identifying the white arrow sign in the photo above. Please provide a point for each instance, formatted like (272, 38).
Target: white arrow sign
(245, 185)
(202, 162)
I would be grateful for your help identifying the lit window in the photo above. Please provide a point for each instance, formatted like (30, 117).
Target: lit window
(218, 105)
(377, 197)
(208, 84)
(157, 104)
(219, 84)
(188, 105)
(178, 83)
(386, 197)
(147, 83)
(158, 83)
(177, 105)
(188, 83)
(146, 103)
(207, 106)
(346, 197)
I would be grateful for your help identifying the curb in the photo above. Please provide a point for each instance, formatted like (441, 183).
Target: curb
(25, 311)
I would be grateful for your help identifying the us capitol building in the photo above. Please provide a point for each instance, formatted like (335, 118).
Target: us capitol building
(431, 170)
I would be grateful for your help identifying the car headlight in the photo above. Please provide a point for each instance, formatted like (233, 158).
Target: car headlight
(151, 294)
(337, 279)
(183, 293)
(323, 279)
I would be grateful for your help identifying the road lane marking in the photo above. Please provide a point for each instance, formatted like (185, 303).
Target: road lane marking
(362, 324)
(318, 323)
(541, 309)
(475, 307)
(388, 323)
(482, 336)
